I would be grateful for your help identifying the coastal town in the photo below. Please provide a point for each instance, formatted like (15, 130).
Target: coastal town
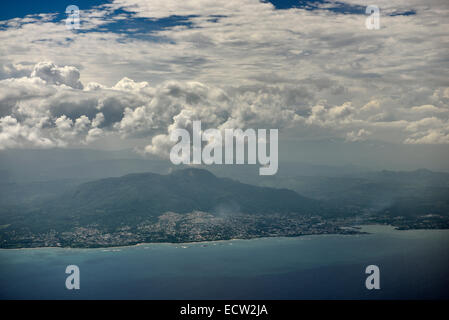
(200, 226)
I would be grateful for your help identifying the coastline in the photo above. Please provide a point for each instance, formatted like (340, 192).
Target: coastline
(182, 243)
(357, 228)
(161, 271)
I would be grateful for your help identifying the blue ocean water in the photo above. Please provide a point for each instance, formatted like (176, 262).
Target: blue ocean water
(413, 265)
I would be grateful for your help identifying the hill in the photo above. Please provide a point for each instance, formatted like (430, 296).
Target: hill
(129, 199)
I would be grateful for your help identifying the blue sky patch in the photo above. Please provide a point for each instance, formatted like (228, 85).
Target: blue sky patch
(333, 6)
(337, 7)
(22, 8)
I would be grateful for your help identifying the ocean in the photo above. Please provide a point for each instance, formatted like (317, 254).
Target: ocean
(414, 264)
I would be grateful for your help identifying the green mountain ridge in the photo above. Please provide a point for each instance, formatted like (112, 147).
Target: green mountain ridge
(131, 198)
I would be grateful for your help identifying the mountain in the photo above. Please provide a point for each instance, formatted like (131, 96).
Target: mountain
(131, 198)
(195, 205)
(396, 193)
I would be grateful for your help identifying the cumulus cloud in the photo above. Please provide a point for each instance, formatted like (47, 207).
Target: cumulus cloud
(438, 135)
(357, 135)
(14, 134)
(53, 74)
(51, 113)
(239, 64)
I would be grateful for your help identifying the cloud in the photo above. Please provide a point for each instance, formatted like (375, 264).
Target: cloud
(53, 74)
(14, 134)
(236, 64)
(360, 135)
(9, 70)
(431, 136)
(54, 114)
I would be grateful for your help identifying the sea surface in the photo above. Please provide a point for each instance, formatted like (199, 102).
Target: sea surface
(414, 264)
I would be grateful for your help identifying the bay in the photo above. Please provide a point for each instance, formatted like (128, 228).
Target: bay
(413, 264)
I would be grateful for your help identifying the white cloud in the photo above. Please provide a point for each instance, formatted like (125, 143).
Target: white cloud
(53, 74)
(315, 73)
(360, 135)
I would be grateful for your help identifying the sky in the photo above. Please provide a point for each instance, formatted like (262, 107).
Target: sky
(136, 70)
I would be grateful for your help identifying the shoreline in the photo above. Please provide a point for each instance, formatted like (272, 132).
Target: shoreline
(181, 243)
(358, 228)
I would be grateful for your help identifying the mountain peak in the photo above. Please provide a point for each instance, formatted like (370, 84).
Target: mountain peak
(193, 172)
